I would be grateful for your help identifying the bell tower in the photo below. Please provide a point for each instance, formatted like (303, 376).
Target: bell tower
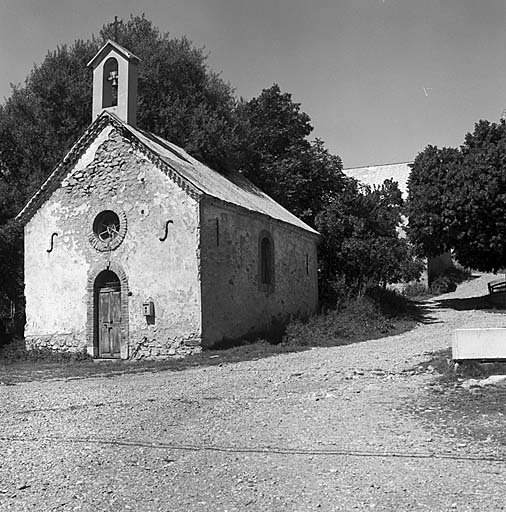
(115, 82)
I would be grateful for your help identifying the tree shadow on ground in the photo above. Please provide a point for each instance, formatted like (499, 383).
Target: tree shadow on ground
(479, 303)
(422, 313)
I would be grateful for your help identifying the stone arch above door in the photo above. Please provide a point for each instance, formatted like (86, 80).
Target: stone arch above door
(91, 310)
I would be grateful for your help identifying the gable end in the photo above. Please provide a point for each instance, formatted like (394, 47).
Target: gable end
(168, 170)
(53, 182)
(56, 177)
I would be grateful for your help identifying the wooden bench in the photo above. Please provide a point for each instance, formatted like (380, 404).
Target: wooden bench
(497, 286)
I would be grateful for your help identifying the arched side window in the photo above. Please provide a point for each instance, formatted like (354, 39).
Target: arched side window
(110, 83)
(266, 261)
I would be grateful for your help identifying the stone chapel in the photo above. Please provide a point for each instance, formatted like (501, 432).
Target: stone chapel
(135, 249)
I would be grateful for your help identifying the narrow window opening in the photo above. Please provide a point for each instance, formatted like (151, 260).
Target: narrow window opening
(307, 264)
(266, 261)
(217, 232)
(110, 83)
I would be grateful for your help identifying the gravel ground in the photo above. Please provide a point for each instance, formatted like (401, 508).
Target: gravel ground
(327, 429)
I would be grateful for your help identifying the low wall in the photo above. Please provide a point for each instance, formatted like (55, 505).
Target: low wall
(484, 344)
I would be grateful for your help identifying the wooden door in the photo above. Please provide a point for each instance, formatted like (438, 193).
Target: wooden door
(109, 321)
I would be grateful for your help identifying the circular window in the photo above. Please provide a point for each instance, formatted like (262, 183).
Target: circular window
(106, 226)
(109, 229)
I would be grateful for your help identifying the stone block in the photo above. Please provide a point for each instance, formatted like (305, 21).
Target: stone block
(479, 344)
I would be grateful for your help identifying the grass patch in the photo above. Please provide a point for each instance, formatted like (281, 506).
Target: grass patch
(448, 373)
(417, 291)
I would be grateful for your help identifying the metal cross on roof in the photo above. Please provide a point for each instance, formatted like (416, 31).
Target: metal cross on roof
(116, 22)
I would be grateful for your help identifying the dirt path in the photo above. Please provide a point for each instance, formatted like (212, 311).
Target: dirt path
(327, 429)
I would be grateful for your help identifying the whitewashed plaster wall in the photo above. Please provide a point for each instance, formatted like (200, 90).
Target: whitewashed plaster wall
(113, 175)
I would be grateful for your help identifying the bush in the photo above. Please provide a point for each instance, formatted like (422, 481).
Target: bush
(449, 279)
(416, 290)
(358, 318)
(442, 284)
(457, 274)
(390, 302)
(445, 283)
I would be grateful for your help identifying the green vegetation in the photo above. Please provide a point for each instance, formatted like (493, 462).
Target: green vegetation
(445, 283)
(361, 247)
(456, 199)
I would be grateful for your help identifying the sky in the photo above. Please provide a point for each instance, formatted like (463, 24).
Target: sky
(380, 79)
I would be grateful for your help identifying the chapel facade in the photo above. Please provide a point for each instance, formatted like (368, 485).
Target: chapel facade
(135, 249)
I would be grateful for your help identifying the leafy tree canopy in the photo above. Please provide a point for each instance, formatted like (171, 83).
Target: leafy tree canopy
(430, 180)
(275, 154)
(457, 199)
(361, 244)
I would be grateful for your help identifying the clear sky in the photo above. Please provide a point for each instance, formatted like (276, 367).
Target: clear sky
(358, 67)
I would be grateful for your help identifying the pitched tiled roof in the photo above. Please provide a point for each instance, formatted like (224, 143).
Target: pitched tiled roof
(377, 174)
(194, 176)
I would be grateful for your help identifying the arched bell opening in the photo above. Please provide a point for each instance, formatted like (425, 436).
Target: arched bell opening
(110, 83)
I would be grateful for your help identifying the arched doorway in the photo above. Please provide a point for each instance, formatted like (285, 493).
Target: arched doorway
(107, 307)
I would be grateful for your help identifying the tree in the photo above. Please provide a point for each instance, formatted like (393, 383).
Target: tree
(477, 212)
(465, 204)
(361, 246)
(274, 153)
(429, 184)
(11, 287)
(41, 120)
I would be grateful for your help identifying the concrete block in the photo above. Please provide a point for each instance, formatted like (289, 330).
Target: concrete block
(479, 344)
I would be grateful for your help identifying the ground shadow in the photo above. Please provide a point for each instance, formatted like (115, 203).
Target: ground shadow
(482, 303)
(421, 312)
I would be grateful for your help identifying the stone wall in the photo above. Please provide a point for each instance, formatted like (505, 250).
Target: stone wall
(234, 304)
(113, 175)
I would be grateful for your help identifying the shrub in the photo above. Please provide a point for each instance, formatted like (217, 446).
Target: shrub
(442, 284)
(416, 290)
(390, 302)
(445, 283)
(358, 318)
(457, 274)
